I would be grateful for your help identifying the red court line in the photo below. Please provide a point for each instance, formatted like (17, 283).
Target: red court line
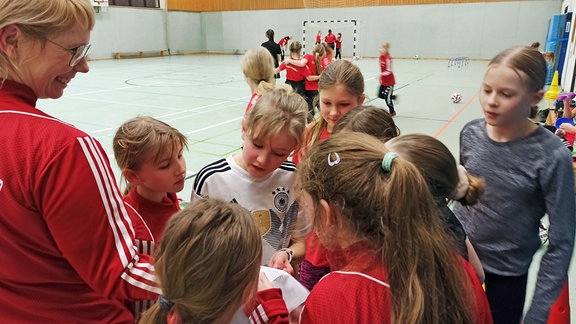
(456, 115)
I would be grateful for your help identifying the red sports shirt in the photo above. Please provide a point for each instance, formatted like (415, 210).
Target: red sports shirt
(68, 253)
(294, 73)
(358, 291)
(283, 40)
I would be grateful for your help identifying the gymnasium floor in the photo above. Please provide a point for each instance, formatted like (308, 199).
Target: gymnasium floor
(205, 96)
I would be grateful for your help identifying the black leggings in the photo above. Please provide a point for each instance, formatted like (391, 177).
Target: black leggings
(387, 93)
(310, 96)
(506, 296)
(338, 53)
(297, 86)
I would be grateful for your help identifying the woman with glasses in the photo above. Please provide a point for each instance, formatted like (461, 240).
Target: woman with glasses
(67, 252)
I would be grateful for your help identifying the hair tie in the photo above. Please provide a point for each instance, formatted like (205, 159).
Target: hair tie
(387, 161)
(165, 304)
(462, 186)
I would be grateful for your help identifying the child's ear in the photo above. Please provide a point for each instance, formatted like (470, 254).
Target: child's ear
(537, 97)
(331, 218)
(361, 101)
(9, 40)
(243, 134)
(132, 177)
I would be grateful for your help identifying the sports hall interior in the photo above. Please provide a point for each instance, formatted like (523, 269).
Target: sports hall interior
(179, 61)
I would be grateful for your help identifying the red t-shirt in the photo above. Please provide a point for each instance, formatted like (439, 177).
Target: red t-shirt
(148, 230)
(357, 291)
(283, 40)
(255, 97)
(68, 248)
(318, 39)
(294, 73)
(330, 38)
(311, 85)
(386, 75)
(339, 42)
(155, 215)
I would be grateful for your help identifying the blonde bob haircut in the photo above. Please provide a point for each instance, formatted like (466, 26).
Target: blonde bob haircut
(277, 111)
(40, 19)
(144, 138)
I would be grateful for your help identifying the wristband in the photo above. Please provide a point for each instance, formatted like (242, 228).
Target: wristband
(289, 252)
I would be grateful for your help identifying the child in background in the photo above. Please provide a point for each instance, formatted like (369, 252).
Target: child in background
(329, 55)
(446, 182)
(330, 39)
(339, 46)
(283, 42)
(368, 120)
(314, 63)
(274, 49)
(392, 260)
(258, 69)
(340, 89)
(208, 267)
(528, 173)
(387, 79)
(318, 38)
(295, 75)
(260, 179)
(149, 154)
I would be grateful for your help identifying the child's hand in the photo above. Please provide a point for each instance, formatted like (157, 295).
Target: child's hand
(567, 128)
(280, 261)
(559, 132)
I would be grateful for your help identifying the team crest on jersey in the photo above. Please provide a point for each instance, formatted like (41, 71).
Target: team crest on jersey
(281, 199)
(262, 218)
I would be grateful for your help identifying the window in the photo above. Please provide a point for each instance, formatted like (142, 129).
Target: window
(135, 3)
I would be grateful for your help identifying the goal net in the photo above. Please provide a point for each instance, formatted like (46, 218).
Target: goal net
(347, 27)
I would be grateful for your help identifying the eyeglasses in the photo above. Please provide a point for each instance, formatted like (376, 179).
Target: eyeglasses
(78, 53)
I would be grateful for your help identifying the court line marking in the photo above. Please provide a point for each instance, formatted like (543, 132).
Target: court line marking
(466, 105)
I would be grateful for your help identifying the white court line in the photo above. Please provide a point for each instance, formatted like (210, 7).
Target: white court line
(214, 125)
(179, 113)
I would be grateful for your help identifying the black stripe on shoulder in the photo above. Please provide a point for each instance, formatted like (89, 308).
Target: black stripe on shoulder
(214, 167)
(288, 166)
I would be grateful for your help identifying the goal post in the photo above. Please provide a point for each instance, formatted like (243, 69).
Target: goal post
(311, 27)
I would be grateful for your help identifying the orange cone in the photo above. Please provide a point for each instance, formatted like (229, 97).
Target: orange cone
(560, 311)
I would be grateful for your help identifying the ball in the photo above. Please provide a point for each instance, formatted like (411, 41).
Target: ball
(456, 97)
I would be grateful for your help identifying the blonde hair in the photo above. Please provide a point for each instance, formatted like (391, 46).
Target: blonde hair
(318, 52)
(208, 261)
(143, 138)
(40, 19)
(437, 165)
(385, 45)
(526, 60)
(394, 212)
(368, 120)
(277, 111)
(341, 73)
(258, 67)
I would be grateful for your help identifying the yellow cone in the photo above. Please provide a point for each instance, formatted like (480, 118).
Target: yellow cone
(553, 92)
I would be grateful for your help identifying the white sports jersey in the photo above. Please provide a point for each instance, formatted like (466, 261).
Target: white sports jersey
(270, 200)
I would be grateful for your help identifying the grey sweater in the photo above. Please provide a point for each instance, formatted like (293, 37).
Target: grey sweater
(524, 179)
